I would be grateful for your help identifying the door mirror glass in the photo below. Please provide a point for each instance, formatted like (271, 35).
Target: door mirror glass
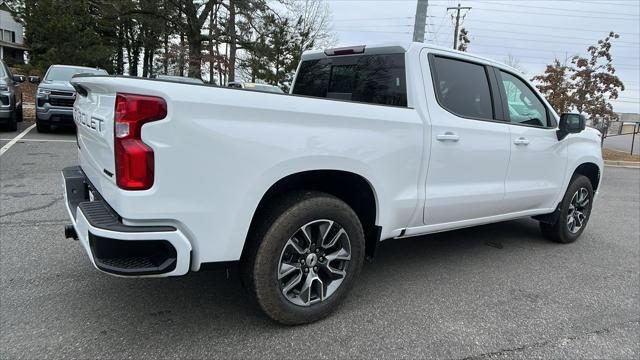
(34, 79)
(18, 78)
(571, 123)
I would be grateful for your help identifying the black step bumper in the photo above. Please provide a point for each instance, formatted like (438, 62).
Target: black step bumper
(115, 247)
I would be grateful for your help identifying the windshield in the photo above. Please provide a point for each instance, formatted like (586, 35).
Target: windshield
(57, 73)
(261, 87)
(183, 79)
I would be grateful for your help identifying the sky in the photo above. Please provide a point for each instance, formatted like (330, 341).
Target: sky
(533, 31)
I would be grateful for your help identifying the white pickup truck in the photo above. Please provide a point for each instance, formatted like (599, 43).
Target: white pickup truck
(373, 143)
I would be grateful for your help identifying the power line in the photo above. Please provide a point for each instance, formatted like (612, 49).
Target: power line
(616, 64)
(571, 11)
(373, 31)
(474, 34)
(376, 26)
(484, 53)
(549, 14)
(604, 3)
(502, 31)
(549, 27)
(376, 19)
(607, 2)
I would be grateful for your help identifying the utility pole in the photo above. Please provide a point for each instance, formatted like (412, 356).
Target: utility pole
(455, 32)
(421, 20)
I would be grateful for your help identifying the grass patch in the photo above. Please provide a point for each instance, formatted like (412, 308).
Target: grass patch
(616, 155)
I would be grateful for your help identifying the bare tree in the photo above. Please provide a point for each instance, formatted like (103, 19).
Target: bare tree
(312, 19)
(515, 63)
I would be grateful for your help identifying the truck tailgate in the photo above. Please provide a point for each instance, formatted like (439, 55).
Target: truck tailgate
(93, 113)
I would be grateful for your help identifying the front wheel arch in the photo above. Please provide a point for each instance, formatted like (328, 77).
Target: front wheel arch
(591, 171)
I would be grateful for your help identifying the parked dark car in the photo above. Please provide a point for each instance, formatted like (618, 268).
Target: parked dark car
(10, 98)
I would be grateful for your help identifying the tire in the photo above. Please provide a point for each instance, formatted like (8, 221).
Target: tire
(12, 124)
(279, 253)
(576, 205)
(42, 127)
(20, 117)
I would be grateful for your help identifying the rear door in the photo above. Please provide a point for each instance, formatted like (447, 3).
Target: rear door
(469, 153)
(538, 159)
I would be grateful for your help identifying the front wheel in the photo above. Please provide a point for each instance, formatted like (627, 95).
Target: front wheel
(12, 122)
(307, 253)
(20, 116)
(42, 127)
(575, 210)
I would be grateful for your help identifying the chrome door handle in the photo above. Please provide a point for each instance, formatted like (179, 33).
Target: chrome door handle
(448, 136)
(521, 141)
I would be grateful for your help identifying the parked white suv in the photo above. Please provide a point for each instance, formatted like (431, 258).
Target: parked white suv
(374, 143)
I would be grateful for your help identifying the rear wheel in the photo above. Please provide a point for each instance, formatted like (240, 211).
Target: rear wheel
(575, 210)
(306, 255)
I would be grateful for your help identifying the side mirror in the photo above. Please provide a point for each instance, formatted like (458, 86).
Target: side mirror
(34, 79)
(18, 78)
(570, 123)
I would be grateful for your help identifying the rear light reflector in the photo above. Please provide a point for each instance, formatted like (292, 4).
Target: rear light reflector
(134, 159)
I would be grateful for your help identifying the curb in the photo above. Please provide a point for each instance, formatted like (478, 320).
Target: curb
(626, 164)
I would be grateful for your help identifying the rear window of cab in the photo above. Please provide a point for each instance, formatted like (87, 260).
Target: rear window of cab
(375, 79)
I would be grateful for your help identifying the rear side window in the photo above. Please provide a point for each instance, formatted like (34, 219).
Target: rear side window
(462, 88)
(375, 79)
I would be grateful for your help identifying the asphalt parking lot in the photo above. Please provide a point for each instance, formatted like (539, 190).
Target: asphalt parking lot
(493, 291)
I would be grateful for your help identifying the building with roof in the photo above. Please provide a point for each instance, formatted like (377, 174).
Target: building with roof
(12, 45)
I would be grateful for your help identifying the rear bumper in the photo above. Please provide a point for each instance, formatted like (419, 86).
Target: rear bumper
(116, 248)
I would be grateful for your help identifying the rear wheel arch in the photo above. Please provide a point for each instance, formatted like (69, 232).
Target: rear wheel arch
(352, 188)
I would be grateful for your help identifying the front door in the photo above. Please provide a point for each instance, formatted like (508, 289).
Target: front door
(538, 159)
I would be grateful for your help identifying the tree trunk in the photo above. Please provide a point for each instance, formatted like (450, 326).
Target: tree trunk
(211, 25)
(233, 46)
(219, 65)
(165, 61)
(195, 55)
(152, 51)
(120, 52)
(181, 56)
(145, 63)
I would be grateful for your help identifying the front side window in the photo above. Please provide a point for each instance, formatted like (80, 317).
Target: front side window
(462, 88)
(523, 104)
(374, 79)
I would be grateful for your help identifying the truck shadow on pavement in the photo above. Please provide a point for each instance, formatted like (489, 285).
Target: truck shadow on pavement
(216, 299)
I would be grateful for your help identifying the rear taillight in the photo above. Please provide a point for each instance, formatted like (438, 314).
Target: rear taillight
(134, 159)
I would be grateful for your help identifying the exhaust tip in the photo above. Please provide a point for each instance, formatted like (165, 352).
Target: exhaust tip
(70, 232)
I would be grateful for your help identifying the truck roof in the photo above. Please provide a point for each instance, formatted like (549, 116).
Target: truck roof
(399, 47)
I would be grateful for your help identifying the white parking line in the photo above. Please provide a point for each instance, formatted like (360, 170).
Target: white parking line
(15, 139)
(43, 140)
